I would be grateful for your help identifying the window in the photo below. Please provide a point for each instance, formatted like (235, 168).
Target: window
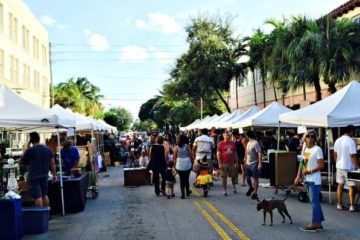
(45, 89)
(27, 77)
(35, 47)
(2, 63)
(15, 30)
(44, 55)
(11, 60)
(1, 18)
(25, 39)
(16, 70)
(11, 26)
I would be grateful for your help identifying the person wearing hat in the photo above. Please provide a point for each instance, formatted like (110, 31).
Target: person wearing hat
(39, 159)
(310, 171)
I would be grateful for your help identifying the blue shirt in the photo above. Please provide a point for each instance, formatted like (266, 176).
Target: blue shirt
(69, 158)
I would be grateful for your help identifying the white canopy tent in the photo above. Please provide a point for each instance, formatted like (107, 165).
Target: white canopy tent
(19, 114)
(228, 118)
(188, 126)
(214, 121)
(268, 117)
(251, 111)
(194, 125)
(338, 110)
(203, 123)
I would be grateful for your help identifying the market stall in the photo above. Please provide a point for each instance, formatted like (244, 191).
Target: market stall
(17, 114)
(338, 110)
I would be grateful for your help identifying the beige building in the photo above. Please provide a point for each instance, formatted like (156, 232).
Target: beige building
(245, 95)
(24, 52)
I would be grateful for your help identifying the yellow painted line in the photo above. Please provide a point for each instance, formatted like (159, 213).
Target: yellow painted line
(211, 220)
(228, 223)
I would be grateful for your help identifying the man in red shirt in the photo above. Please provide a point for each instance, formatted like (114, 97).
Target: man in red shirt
(227, 160)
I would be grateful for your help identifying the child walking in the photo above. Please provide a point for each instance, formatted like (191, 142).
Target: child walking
(169, 180)
(204, 179)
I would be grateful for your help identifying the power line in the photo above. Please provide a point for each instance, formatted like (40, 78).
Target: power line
(113, 77)
(112, 46)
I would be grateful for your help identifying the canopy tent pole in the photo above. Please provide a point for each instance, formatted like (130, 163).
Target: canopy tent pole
(329, 163)
(278, 137)
(61, 179)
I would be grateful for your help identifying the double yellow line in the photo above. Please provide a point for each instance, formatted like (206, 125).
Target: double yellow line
(221, 216)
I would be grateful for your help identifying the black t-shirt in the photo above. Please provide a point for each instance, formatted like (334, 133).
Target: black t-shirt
(37, 159)
(293, 144)
(169, 176)
(240, 150)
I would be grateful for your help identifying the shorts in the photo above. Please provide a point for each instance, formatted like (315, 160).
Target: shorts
(228, 170)
(38, 187)
(169, 184)
(252, 170)
(341, 177)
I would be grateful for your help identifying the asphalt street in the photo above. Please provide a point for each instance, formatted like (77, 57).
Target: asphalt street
(136, 213)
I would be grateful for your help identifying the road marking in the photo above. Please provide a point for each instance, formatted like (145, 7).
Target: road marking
(218, 213)
(211, 220)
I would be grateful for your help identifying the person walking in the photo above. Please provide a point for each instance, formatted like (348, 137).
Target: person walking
(227, 160)
(39, 159)
(240, 143)
(183, 162)
(346, 160)
(253, 159)
(310, 170)
(158, 165)
(202, 147)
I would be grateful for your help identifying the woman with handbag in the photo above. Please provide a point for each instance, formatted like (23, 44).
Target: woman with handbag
(158, 165)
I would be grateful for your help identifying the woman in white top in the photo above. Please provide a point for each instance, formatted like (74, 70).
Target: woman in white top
(183, 161)
(313, 164)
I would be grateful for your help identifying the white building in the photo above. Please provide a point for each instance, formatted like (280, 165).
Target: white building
(24, 52)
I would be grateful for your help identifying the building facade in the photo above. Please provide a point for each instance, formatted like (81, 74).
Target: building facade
(246, 95)
(24, 53)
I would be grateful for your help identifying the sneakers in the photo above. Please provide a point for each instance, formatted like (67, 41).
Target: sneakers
(339, 207)
(224, 194)
(312, 228)
(248, 193)
(352, 209)
(189, 193)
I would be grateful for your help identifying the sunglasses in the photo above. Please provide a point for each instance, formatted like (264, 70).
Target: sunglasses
(310, 136)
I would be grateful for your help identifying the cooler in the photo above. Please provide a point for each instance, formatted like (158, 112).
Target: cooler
(36, 219)
(11, 219)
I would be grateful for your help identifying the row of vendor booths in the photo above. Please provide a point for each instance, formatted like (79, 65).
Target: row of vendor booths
(338, 110)
(19, 117)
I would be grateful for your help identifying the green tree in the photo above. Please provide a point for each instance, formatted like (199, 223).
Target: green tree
(207, 68)
(79, 95)
(144, 126)
(119, 117)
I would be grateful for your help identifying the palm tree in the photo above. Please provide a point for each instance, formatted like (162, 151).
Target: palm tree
(79, 95)
(258, 56)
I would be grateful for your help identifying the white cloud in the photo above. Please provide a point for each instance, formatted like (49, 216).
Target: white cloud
(159, 55)
(134, 53)
(96, 41)
(48, 20)
(159, 22)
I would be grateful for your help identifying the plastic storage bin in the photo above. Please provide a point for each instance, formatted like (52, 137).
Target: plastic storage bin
(36, 219)
(11, 219)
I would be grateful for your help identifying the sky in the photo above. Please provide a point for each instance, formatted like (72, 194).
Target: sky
(127, 48)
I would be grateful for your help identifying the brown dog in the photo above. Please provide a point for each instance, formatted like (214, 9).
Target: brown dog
(270, 205)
